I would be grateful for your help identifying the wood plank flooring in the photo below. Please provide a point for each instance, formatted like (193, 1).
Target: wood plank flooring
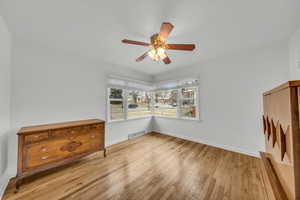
(151, 167)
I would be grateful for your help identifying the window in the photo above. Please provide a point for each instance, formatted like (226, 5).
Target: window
(166, 103)
(129, 99)
(116, 104)
(138, 103)
(188, 107)
(181, 103)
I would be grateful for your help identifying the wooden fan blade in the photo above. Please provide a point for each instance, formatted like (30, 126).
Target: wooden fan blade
(142, 57)
(165, 30)
(182, 47)
(166, 60)
(135, 42)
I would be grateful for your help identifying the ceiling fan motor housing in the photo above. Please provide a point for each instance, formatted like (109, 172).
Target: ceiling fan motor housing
(157, 42)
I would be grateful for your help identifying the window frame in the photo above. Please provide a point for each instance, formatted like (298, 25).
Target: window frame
(179, 103)
(146, 116)
(196, 102)
(125, 105)
(108, 104)
(160, 90)
(152, 103)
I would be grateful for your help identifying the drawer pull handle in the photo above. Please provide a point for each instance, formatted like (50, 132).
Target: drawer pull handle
(44, 149)
(36, 136)
(44, 157)
(92, 136)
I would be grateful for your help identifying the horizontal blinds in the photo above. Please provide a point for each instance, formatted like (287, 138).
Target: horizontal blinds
(116, 83)
(177, 84)
(129, 84)
(139, 85)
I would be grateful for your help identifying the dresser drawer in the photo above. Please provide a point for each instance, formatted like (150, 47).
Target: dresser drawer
(70, 133)
(58, 149)
(99, 127)
(44, 153)
(36, 137)
(96, 140)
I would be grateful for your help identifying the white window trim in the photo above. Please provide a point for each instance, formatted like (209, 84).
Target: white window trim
(146, 116)
(108, 105)
(179, 101)
(152, 103)
(125, 105)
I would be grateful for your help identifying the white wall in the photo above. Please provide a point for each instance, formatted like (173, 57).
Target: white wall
(231, 98)
(5, 74)
(294, 45)
(49, 86)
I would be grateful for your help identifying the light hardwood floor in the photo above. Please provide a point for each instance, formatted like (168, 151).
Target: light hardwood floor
(154, 167)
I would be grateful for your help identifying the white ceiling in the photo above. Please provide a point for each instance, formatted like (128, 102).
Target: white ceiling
(95, 28)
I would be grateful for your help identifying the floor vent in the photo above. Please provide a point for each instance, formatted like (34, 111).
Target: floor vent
(137, 134)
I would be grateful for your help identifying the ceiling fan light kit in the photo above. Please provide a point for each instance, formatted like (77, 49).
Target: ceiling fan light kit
(158, 45)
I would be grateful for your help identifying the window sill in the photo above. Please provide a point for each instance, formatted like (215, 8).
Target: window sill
(181, 119)
(158, 116)
(130, 119)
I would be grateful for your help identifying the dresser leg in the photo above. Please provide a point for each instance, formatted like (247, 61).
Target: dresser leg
(18, 184)
(104, 152)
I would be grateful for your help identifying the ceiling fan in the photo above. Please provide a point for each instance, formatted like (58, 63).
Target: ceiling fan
(158, 45)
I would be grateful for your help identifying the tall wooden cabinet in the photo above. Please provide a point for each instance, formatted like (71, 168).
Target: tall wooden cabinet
(281, 161)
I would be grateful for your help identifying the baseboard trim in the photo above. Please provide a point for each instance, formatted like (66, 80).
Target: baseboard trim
(125, 139)
(209, 143)
(4, 180)
(116, 142)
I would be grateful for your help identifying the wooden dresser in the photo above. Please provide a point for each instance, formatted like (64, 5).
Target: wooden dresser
(281, 161)
(47, 146)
